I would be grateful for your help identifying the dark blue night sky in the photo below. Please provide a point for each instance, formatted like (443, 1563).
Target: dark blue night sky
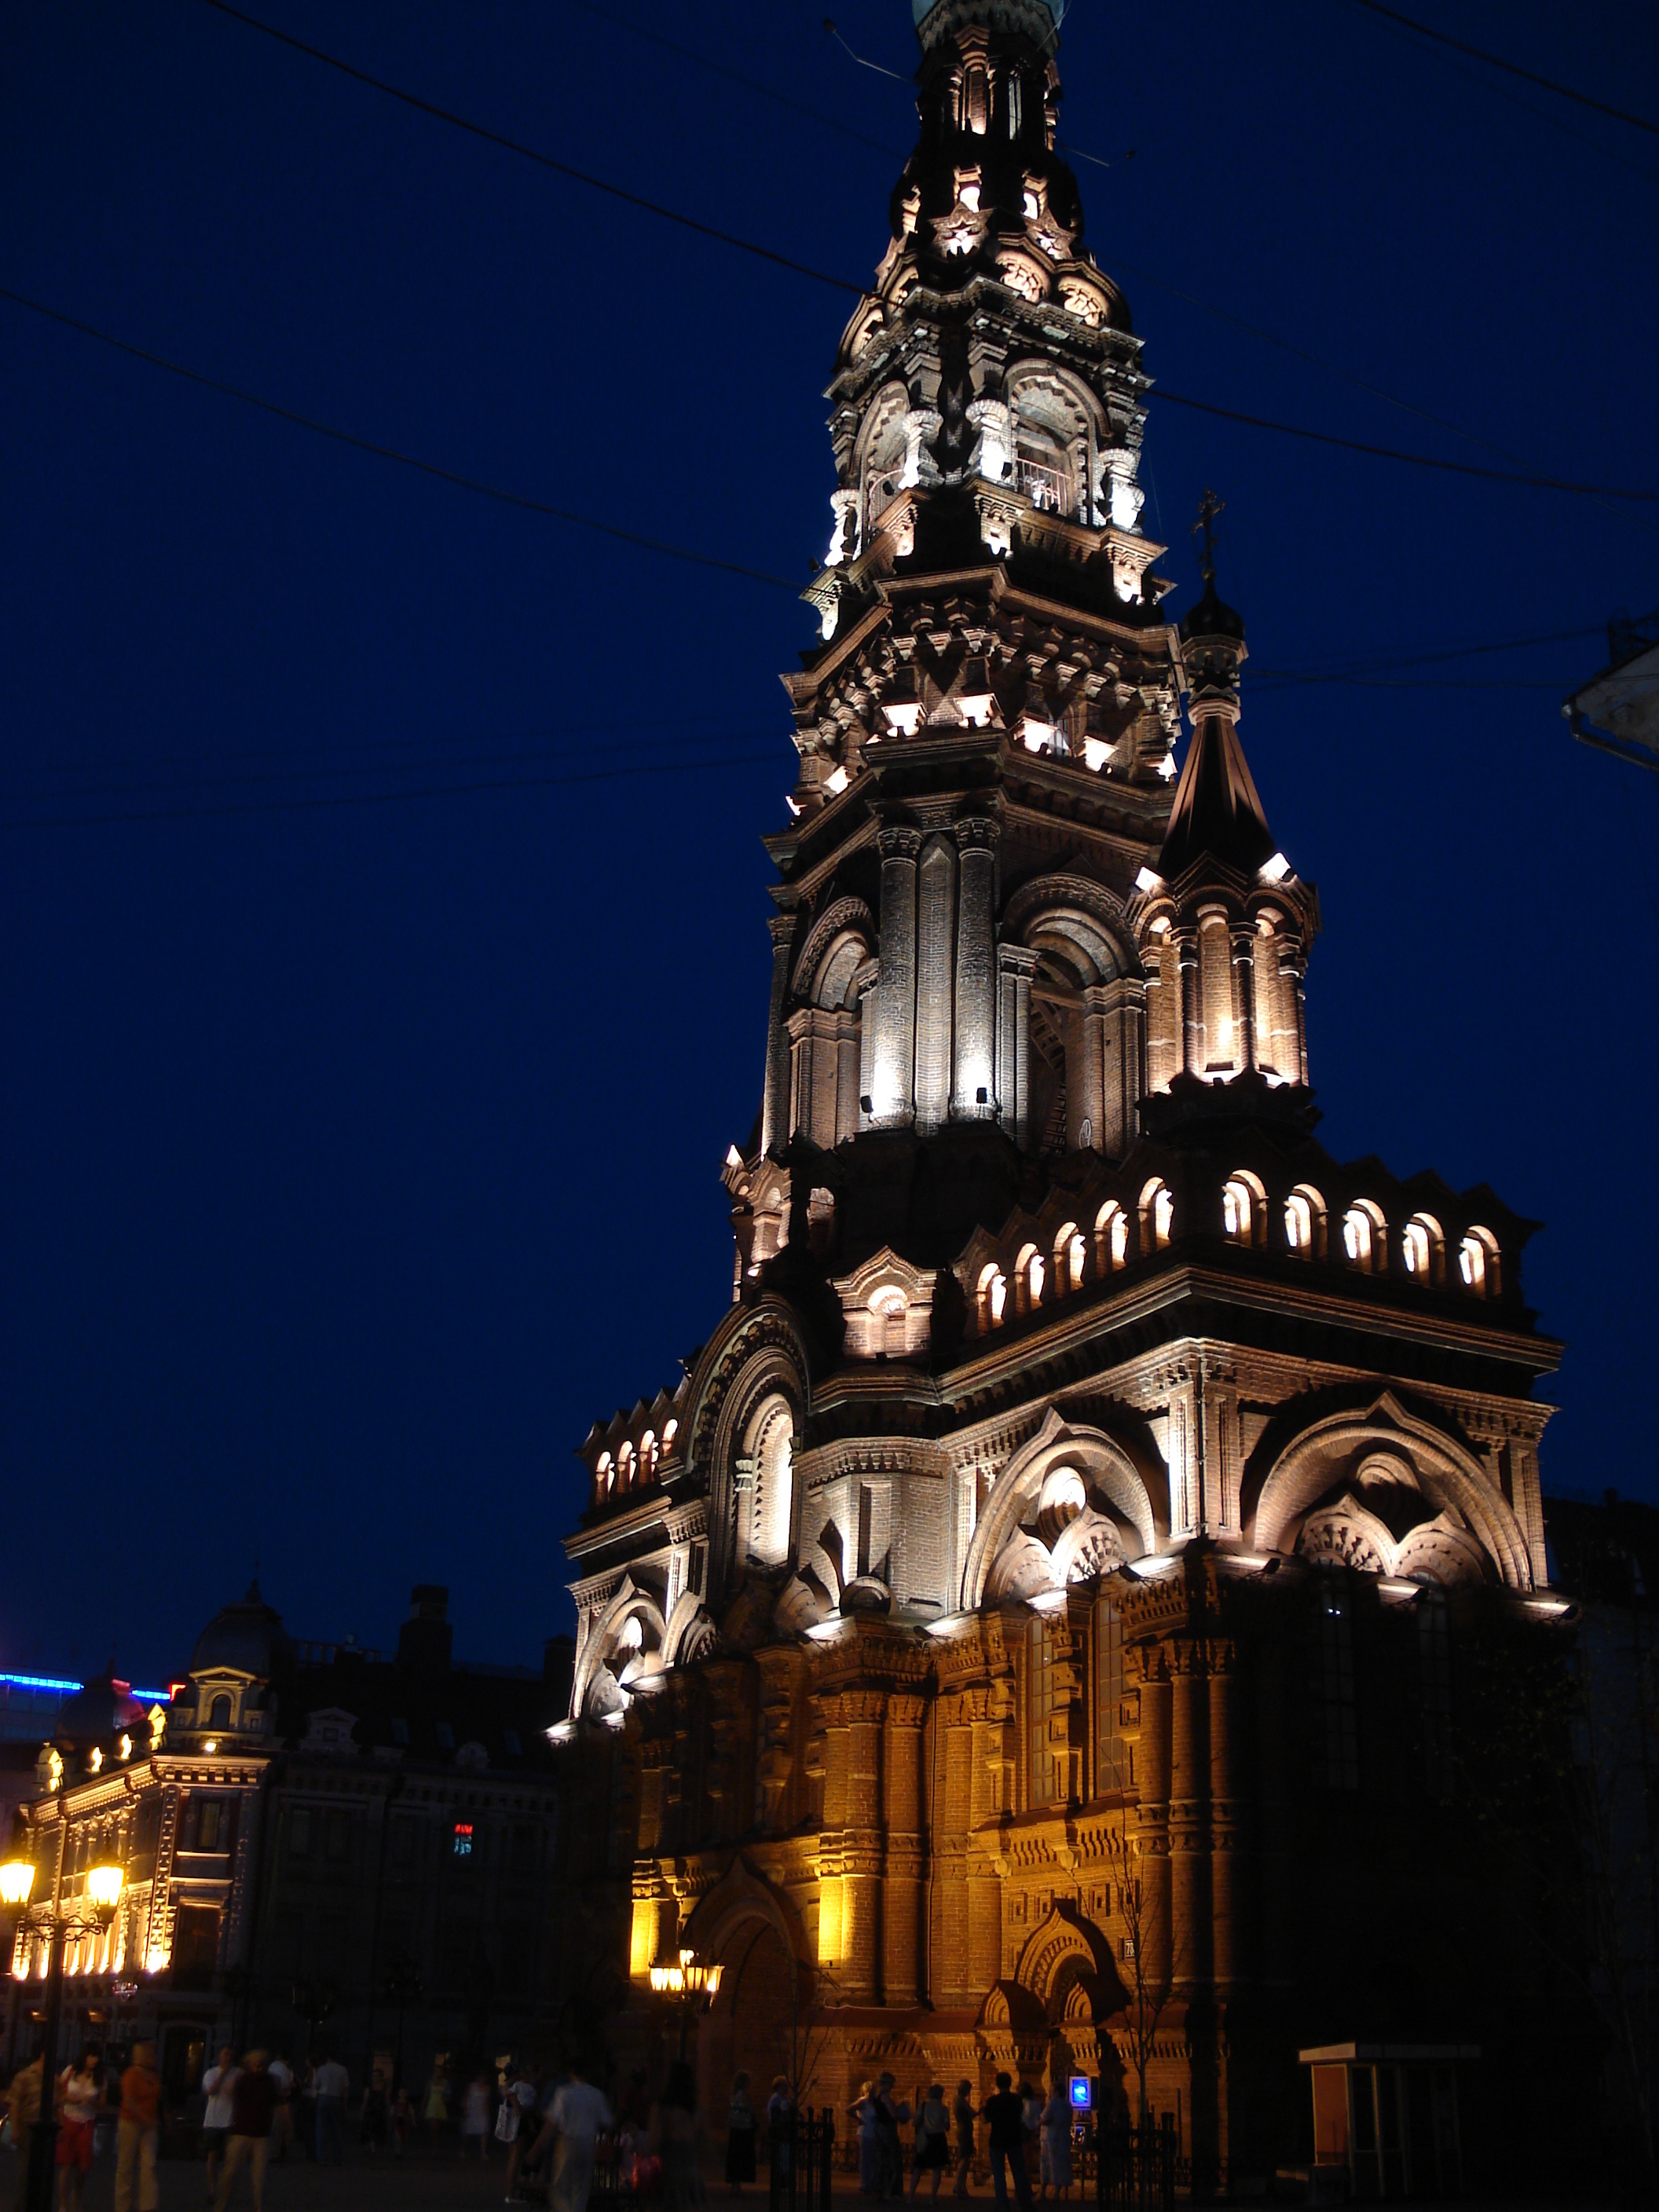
(356, 1155)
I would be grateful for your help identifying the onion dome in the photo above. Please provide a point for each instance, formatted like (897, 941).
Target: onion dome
(246, 1636)
(97, 1711)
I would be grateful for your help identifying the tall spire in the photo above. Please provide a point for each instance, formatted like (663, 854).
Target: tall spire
(1218, 811)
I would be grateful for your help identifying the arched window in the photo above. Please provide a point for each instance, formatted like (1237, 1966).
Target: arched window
(1244, 1207)
(1305, 1223)
(976, 99)
(1157, 1216)
(1014, 103)
(219, 1712)
(1042, 467)
(1111, 1236)
(669, 1430)
(992, 1295)
(1071, 1255)
(625, 1467)
(1364, 1237)
(604, 1476)
(892, 1313)
(648, 1456)
(1422, 1249)
(767, 1464)
(1028, 1276)
(1477, 1263)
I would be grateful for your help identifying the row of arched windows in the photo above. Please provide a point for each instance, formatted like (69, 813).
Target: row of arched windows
(1077, 1255)
(1363, 1235)
(1043, 1274)
(632, 1465)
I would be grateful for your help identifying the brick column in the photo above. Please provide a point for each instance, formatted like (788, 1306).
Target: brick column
(892, 1056)
(1189, 1810)
(935, 980)
(1224, 1790)
(1191, 1054)
(774, 1107)
(1243, 998)
(1015, 967)
(904, 1884)
(975, 1070)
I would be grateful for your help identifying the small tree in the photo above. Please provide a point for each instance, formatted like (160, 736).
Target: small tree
(1152, 1963)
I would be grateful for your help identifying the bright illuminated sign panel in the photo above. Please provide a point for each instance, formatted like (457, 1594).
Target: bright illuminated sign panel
(1081, 2093)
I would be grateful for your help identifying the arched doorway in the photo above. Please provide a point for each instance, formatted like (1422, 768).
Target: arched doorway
(750, 2024)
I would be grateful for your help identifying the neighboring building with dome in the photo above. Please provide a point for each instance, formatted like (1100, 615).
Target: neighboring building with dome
(1041, 1628)
(320, 1844)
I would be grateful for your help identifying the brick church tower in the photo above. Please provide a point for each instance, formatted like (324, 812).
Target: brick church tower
(1031, 1631)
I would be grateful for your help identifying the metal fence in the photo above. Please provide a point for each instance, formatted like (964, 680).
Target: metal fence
(803, 2149)
(1135, 2167)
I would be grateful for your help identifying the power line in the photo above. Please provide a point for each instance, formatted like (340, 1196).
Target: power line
(734, 77)
(843, 285)
(1512, 68)
(1347, 666)
(531, 153)
(383, 797)
(879, 68)
(391, 453)
(1395, 454)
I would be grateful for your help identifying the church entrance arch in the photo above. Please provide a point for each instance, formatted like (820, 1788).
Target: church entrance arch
(748, 2026)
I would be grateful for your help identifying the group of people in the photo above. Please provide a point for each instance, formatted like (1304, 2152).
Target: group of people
(943, 2136)
(81, 2095)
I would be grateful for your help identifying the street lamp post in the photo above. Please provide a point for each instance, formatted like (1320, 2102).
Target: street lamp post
(103, 1895)
(690, 1982)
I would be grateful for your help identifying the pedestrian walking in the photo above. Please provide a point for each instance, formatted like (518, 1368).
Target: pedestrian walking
(579, 2111)
(892, 2114)
(963, 2114)
(862, 2111)
(474, 2117)
(780, 2126)
(521, 2096)
(1005, 2114)
(254, 2106)
(371, 2129)
(79, 2090)
(135, 2132)
(676, 2138)
(1056, 2152)
(333, 2086)
(281, 2116)
(739, 2136)
(932, 2139)
(217, 2084)
(435, 2112)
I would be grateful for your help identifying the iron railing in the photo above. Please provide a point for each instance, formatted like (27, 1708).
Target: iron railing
(802, 2149)
(1135, 2167)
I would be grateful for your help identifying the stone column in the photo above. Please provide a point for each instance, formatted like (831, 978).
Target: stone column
(1224, 1791)
(1146, 1664)
(774, 1107)
(1189, 1795)
(848, 1076)
(1292, 967)
(1015, 967)
(903, 1883)
(1243, 1000)
(892, 1056)
(974, 1087)
(1099, 1002)
(1191, 1054)
(935, 995)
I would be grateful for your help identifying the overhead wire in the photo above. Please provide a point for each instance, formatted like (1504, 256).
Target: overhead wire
(1512, 68)
(843, 284)
(529, 153)
(385, 453)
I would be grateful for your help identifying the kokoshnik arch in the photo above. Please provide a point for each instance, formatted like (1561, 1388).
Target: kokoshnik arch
(1021, 1606)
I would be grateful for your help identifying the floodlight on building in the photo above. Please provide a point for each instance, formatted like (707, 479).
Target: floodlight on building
(211, 1746)
(1147, 880)
(1276, 870)
(836, 784)
(1096, 753)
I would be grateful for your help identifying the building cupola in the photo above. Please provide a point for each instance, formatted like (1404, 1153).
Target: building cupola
(1223, 922)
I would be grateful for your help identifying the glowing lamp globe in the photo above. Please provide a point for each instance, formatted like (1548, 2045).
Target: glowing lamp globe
(16, 1881)
(104, 1887)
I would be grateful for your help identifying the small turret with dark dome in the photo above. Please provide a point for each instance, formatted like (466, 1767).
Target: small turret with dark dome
(241, 1652)
(99, 1713)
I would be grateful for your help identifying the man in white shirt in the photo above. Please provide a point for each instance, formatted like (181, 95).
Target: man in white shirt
(579, 2111)
(332, 2085)
(282, 2119)
(217, 2084)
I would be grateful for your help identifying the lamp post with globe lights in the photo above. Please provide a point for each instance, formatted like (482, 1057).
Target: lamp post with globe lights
(96, 1910)
(691, 1982)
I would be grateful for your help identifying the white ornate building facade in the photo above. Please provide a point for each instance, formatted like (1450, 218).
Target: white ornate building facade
(1045, 1590)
